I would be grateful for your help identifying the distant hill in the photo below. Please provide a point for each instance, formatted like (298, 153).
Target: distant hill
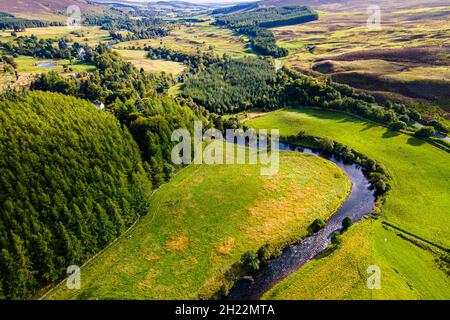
(355, 5)
(336, 5)
(181, 4)
(50, 10)
(237, 8)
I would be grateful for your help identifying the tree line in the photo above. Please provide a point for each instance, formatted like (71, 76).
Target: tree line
(122, 28)
(41, 48)
(263, 41)
(254, 23)
(231, 86)
(302, 90)
(10, 22)
(269, 17)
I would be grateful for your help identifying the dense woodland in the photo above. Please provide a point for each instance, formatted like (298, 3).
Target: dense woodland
(131, 95)
(69, 185)
(90, 183)
(269, 17)
(235, 85)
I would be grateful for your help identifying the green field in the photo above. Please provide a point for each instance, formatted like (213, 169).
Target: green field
(203, 37)
(418, 203)
(30, 65)
(201, 223)
(139, 59)
(28, 69)
(88, 35)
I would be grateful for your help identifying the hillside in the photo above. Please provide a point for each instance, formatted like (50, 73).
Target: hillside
(352, 5)
(50, 10)
(71, 181)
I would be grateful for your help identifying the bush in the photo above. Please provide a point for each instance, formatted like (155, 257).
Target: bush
(398, 125)
(326, 144)
(425, 132)
(414, 115)
(264, 253)
(316, 226)
(346, 223)
(438, 126)
(250, 261)
(404, 118)
(337, 239)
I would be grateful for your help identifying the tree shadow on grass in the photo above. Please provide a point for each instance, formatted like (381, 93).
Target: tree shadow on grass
(328, 251)
(368, 126)
(390, 134)
(415, 142)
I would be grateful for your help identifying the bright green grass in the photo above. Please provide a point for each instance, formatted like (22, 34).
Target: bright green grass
(191, 39)
(407, 272)
(27, 64)
(139, 59)
(418, 202)
(27, 69)
(90, 35)
(202, 222)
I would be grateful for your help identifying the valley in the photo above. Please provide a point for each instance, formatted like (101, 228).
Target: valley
(90, 118)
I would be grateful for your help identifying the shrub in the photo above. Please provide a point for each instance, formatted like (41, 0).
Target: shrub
(250, 261)
(346, 223)
(425, 132)
(404, 118)
(326, 144)
(264, 253)
(438, 126)
(398, 125)
(317, 225)
(336, 239)
(414, 115)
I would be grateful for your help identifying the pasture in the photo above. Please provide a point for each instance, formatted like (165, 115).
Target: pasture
(200, 223)
(88, 35)
(139, 59)
(192, 38)
(418, 203)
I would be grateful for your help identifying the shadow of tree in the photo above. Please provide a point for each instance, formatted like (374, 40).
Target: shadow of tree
(390, 134)
(415, 142)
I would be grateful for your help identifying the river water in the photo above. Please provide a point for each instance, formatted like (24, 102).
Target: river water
(360, 203)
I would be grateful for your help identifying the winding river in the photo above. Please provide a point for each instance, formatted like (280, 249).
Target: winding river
(360, 203)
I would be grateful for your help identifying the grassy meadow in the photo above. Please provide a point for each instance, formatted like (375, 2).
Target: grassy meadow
(203, 37)
(201, 223)
(89, 35)
(30, 65)
(407, 272)
(418, 203)
(139, 59)
(28, 69)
